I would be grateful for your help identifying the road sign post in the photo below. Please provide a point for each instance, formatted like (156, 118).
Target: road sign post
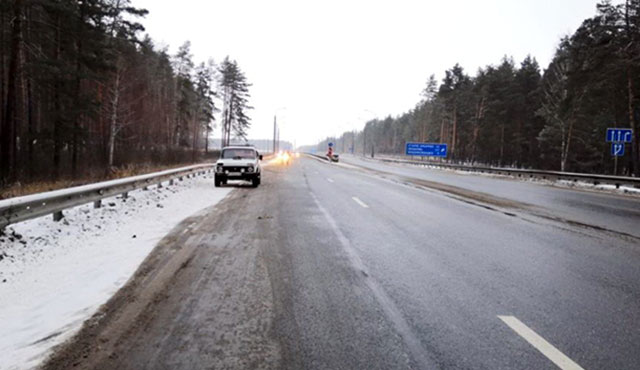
(618, 137)
(426, 149)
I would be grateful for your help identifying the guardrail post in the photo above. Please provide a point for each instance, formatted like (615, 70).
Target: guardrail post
(181, 178)
(97, 203)
(125, 195)
(57, 216)
(159, 184)
(171, 182)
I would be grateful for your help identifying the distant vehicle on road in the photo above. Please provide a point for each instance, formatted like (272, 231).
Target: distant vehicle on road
(238, 163)
(284, 157)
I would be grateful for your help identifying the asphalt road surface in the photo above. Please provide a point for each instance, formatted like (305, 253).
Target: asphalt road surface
(380, 266)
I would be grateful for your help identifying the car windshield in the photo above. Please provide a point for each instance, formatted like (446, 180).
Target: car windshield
(238, 154)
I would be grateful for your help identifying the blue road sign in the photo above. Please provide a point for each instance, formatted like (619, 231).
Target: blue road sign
(330, 145)
(427, 149)
(619, 135)
(617, 149)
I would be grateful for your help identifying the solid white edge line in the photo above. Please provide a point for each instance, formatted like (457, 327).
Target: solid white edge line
(539, 343)
(361, 203)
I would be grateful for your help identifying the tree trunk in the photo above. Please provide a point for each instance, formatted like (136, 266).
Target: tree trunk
(424, 126)
(3, 61)
(57, 107)
(195, 136)
(206, 140)
(566, 146)
(502, 145)
(454, 131)
(476, 129)
(635, 146)
(8, 129)
(75, 141)
(113, 121)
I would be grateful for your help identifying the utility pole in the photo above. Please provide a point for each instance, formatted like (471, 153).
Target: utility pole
(364, 141)
(274, 133)
(353, 142)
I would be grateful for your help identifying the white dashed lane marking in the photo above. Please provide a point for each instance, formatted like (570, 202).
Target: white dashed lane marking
(551, 352)
(361, 203)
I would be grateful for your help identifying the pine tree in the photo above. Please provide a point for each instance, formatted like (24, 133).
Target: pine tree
(235, 92)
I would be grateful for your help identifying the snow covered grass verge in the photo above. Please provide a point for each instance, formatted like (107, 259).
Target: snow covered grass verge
(622, 190)
(55, 275)
(582, 185)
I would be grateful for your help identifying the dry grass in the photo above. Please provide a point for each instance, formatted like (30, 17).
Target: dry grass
(19, 189)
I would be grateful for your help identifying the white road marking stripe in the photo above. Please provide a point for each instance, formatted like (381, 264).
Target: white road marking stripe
(551, 352)
(363, 204)
(392, 311)
(330, 180)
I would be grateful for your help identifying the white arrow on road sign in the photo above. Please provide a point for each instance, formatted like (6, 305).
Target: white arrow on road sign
(617, 149)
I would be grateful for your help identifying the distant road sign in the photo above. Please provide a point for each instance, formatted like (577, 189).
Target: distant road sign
(619, 135)
(617, 149)
(427, 149)
(330, 145)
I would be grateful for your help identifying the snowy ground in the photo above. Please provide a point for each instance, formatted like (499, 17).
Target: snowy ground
(55, 275)
(629, 190)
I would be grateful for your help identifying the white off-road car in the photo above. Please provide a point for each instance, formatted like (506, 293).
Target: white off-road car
(238, 163)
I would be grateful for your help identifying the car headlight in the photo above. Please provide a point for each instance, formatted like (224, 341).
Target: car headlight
(250, 169)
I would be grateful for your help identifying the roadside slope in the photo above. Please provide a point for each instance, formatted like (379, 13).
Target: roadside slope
(201, 298)
(56, 275)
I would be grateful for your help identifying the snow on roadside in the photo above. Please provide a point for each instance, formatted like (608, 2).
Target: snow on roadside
(55, 275)
(622, 190)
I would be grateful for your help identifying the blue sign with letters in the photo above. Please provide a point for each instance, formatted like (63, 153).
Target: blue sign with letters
(619, 135)
(427, 149)
(617, 149)
(330, 145)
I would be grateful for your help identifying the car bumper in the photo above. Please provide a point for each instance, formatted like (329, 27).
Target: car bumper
(237, 175)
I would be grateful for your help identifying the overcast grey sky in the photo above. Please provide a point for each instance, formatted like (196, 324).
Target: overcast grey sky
(328, 66)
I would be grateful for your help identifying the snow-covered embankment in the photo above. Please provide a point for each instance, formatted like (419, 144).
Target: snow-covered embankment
(55, 275)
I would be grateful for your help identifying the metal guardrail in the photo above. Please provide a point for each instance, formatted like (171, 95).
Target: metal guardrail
(595, 179)
(318, 156)
(27, 207)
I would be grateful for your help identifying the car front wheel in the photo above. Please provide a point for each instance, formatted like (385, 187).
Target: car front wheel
(218, 181)
(255, 182)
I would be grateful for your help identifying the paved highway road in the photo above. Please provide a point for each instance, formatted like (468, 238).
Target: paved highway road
(384, 267)
(596, 209)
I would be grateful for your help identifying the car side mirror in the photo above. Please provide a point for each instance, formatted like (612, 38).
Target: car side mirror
(260, 156)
